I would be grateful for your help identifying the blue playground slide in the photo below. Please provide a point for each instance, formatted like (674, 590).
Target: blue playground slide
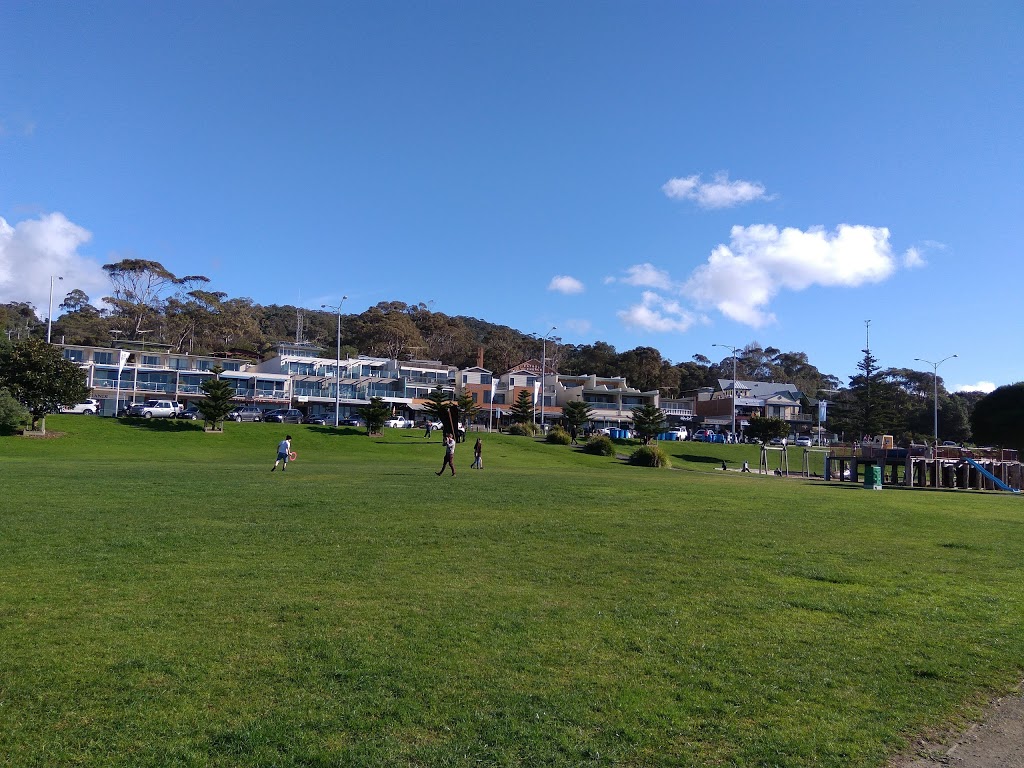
(999, 483)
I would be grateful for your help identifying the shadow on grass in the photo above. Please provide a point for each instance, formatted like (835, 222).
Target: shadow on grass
(848, 485)
(339, 431)
(697, 459)
(163, 425)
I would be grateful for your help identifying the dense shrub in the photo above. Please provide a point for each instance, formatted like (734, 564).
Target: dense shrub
(558, 436)
(650, 456)
(600, 445)
(523, 429)
(12, 413)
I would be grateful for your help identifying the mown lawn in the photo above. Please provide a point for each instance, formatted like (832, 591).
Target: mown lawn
(167, 601)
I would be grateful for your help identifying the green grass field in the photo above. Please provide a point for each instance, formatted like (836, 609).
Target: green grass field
(167, 601)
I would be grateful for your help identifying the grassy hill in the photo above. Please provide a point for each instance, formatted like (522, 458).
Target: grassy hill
(166, 600)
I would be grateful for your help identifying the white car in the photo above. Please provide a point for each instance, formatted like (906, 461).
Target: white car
(87, 407)
(804, 442)
(398, 423)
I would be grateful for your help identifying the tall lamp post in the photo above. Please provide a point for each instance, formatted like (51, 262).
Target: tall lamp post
(543, 370)
(734, 350)
(337, 365)
(935, 389)
(49, 313)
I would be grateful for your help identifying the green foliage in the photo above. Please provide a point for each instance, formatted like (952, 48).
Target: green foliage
(375, 414)
(522, 410)
(558, 436)
(766, 428)
(217, 403)
(437, 404)
(468, 409)
(577, 413)
(523, 429)
(37, 375)
(650, 456)
(599, 445)
(998, 418)
(12, 413)
(648, 421)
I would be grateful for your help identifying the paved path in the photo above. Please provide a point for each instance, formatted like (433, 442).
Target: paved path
(997, 741)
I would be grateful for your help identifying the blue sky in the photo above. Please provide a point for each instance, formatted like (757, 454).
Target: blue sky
(664, 174)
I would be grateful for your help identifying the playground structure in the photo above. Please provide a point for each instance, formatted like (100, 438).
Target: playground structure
(783, 460)
(924, 467)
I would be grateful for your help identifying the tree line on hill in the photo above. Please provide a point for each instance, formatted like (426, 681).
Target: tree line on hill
(150, 303)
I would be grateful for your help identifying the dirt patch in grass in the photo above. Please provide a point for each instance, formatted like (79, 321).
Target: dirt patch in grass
(996, 741)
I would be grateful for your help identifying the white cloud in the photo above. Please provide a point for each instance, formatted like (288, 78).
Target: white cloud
(647, 276)
(720, 193)
(656, 313)
(565, 284)
(740, 279)
(33, 250)
(579, 326)
(913, 259)
(981, 386)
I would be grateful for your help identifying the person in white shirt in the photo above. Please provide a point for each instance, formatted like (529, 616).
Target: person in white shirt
(284, 452)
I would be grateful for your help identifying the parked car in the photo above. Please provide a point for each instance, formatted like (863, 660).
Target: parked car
(284, 416)
(398, 423)
(156, 409)
(191, 413)
(703, 435)
(319, 418)
(86, 407)
(777, 441)
(352, 421)
(246, 413)
(804, 441)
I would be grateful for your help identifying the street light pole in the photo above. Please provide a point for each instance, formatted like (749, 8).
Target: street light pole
(734, 350)
(49, 313)
(935, 390)
(337, 365)
(543, 371)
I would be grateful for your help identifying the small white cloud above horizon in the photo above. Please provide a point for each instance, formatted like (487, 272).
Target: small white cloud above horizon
(565, 284)
(32, 251)
(912, 259)
(719, 193)
(579, 326)
(645, 276)
(981, 386)
(658, 314)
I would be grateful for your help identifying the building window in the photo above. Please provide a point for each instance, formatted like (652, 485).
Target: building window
(151, 360)
(103, 358)
(74, 355)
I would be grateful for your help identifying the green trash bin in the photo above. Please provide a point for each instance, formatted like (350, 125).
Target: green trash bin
(873, 477)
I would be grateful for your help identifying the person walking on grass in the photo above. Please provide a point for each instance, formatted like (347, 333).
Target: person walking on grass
(449, 454)
(478, 457)
(284, 452)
